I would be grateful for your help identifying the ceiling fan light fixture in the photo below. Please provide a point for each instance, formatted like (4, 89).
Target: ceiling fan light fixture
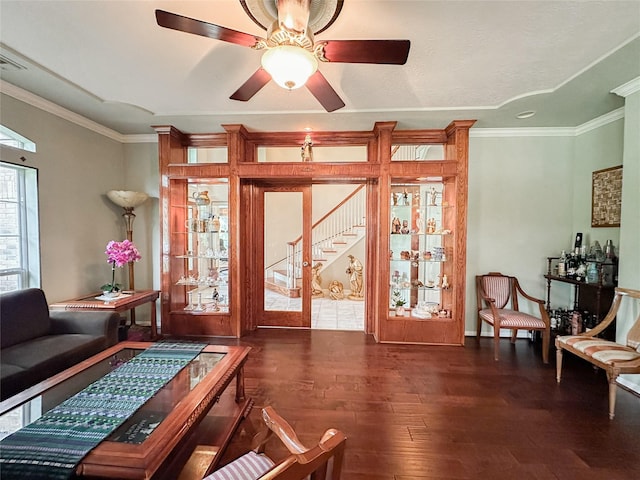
(289, 66)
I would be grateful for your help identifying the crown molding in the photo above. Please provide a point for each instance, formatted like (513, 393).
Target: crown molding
(600, 121)
(140, 138)
(50, 107)
(522, 132)
(629, 88)
(549, 131)
(61, 112)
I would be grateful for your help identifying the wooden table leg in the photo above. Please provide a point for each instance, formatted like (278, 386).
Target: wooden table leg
(154, 327)
(240, 385)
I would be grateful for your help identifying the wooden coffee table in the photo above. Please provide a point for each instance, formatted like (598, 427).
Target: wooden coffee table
(159, 438)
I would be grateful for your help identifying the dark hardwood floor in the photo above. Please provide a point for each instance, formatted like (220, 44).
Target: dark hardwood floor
(431, 412)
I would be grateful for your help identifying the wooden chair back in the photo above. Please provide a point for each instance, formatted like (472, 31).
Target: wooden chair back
(498, 287)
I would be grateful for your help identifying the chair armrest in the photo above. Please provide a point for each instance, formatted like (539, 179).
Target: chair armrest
(86, 322)
(281, 428)
(528, 297)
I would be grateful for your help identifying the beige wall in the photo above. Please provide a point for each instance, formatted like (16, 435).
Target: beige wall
(76, 167)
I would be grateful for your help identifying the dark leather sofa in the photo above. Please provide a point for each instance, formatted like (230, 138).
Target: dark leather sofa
(35, 343)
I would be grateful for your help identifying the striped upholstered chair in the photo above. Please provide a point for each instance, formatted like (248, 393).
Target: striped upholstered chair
(497, 301)
(614, 358)
(320, 462)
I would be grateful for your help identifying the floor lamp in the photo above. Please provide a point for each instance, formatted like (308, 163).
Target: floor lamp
(128, 201)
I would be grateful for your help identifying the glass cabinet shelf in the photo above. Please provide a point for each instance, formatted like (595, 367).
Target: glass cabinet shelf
(418, 250)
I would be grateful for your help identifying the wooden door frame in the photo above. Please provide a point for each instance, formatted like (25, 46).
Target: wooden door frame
(279, 318)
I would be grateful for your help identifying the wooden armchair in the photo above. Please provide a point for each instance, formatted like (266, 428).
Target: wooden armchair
(612, 357)
(497, 302)
(323, 461)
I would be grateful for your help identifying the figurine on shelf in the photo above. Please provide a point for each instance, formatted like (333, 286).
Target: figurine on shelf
(405, 227)
(433, 195)
(405, 197)
(396, 225)
(419, 223)
(445, 282)
(431, 225)
(394, 198)
(306, 151)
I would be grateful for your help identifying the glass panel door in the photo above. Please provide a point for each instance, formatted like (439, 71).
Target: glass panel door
(287, 256)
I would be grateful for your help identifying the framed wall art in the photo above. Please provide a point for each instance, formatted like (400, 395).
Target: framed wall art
(606, 197)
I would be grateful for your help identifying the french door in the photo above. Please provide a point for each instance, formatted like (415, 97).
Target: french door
(284, 258)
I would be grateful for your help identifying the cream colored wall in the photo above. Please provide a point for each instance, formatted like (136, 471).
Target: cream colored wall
(629, 274)
(595, 150)
(76, 167)
(142, 175)
(520, 199)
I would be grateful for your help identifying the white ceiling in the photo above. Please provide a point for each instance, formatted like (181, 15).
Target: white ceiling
(487, 60)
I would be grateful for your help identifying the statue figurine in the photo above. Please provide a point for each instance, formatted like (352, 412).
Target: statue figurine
(335, 290)
(432, 196)
(405, 197)
(306, 151)
(445, 282)
(316, 281)
(405, 227)
(396, 225)
(355, 278)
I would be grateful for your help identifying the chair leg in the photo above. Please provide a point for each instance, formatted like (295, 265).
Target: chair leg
(545, 346)
(496, 343)
(558, 363)
(612, 395)
(514, 335)
(479, 327)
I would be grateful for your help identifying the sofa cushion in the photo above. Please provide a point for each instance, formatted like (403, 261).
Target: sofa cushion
(25, 315)
(33, 361)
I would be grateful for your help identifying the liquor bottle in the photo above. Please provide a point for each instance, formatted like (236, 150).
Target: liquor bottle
(571, 265)
(562, 265)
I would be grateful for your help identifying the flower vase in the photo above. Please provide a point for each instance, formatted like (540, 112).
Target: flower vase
(400, 311)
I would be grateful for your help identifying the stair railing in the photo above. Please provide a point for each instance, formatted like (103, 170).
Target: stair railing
(341, 219)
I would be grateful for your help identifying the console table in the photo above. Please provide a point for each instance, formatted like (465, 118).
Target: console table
(126, 301)
(595, 298)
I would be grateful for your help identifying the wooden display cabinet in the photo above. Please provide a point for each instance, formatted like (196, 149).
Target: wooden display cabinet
(417, 162)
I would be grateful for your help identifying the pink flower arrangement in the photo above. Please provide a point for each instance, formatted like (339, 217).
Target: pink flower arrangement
(121, 253)
(118, 255)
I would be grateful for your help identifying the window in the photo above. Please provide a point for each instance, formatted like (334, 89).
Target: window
(13, 139)
(19, 232)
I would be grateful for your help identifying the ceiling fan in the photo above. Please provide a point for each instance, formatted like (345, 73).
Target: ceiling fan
(291, 55)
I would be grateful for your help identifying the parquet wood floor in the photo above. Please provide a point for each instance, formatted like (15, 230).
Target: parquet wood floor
(415, 412)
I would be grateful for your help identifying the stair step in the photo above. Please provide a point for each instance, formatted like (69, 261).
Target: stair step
(349, 234)
(329, 250)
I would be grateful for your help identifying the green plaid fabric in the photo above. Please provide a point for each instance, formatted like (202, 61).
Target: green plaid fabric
(52, 446)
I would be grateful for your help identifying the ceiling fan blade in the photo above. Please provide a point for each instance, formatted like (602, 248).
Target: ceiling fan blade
(252, 86)
(324, 92)
(393, 52)
(199, 27)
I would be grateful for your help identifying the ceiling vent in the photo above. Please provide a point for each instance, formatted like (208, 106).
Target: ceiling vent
(10, 65)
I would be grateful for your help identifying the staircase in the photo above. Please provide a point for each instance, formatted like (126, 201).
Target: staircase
(331, 237)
